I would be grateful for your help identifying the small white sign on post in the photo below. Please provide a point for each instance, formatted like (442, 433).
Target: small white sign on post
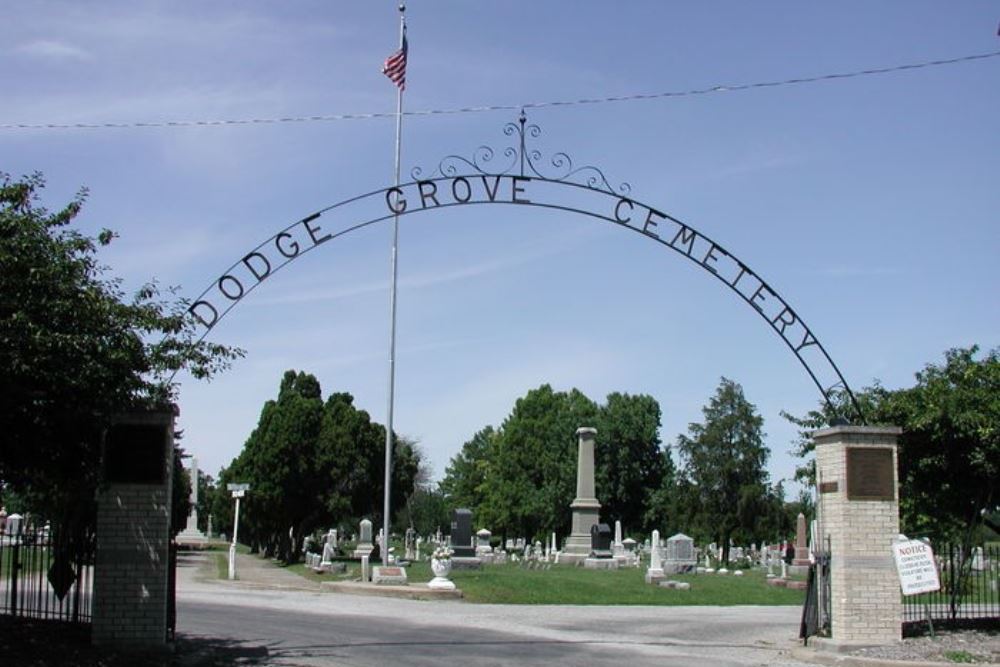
(238, 491)
(915, 567)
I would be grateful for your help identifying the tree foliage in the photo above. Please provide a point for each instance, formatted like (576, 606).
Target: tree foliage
(75, 351)
(520, 479)
(631, 465)
(312, 464)
(949, 451)
(724, 464)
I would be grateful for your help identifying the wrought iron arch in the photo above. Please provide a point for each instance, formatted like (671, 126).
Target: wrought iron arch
(522, 177)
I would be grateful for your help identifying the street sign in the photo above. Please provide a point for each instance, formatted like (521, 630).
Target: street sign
(239, 493)
(237, 487)
(915, 567)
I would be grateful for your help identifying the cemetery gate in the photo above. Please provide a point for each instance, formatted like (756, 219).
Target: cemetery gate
(524, 179)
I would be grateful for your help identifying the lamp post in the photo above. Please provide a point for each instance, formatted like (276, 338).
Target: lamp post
(238, 491)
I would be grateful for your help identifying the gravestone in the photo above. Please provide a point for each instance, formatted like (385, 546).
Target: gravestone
(601, 557)
(410, 544)
(680, 555)
(329, 548)
(365, 546)
(617, 548)
(461, 533)
(600, 541)
(655, 571)
(800, 562)
(978, 562)
(389, 576)
(483, 542)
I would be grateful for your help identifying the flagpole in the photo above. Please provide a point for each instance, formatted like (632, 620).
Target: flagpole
(392, 308)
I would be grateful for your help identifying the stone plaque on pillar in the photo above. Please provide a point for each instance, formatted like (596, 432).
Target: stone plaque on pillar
(870, 474)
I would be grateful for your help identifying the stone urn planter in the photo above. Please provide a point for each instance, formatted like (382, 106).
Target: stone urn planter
(441, 567)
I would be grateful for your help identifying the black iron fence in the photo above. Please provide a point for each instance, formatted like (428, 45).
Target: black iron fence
(44, 575)
(816, 609)
(969, 587)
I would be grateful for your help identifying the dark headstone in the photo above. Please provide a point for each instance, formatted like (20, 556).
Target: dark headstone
(461, 534)
(600, 541)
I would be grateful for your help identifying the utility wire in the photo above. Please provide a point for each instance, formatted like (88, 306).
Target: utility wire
(504, 107)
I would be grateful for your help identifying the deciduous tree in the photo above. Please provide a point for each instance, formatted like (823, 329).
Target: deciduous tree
(75, 351)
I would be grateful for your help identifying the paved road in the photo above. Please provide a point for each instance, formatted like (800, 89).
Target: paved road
(273, 618)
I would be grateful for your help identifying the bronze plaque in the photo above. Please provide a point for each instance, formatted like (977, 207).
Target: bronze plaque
(828, 487)
(870, 474)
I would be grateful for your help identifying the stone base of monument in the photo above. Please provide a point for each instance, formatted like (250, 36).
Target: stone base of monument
(330, 568)
(799, 569)
(466, 563)
(389, 576)
(601, 564)
(572, 559)
(654, 576)
(681, 567)
(192, 539)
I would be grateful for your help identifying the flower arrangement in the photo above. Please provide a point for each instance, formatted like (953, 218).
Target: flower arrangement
(441, 553)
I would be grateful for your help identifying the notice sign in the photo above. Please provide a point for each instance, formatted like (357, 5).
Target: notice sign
(915, 566)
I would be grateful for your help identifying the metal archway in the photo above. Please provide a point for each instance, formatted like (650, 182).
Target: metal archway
(461, 181)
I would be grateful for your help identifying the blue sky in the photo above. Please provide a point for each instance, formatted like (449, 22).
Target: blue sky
(870, 204)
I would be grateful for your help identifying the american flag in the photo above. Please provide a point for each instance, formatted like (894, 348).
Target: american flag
(395, 66)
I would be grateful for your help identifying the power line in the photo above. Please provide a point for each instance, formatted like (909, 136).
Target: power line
(504, 107)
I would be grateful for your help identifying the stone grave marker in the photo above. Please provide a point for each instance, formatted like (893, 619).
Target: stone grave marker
(680, 555)
(600, 541)
(461, 533)
(365, 546)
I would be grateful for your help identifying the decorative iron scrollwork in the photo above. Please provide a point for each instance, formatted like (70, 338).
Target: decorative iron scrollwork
(526, 161)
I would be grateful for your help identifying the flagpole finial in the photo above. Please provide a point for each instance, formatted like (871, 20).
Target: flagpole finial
(402, 7)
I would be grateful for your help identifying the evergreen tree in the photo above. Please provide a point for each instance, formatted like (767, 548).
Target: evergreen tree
(724, 459)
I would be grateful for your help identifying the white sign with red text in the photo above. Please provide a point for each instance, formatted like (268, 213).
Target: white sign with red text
(915, 566)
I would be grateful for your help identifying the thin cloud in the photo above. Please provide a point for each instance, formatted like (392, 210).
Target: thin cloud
(53, 50)
(421, 281)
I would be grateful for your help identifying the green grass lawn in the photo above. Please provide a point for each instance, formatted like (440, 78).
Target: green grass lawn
(562, 584)
(510, 584)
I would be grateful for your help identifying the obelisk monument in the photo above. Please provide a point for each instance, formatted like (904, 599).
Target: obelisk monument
(585, 506)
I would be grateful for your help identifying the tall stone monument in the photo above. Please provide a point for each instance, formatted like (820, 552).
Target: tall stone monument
(800, 564)
(191, 536)
(585, 507)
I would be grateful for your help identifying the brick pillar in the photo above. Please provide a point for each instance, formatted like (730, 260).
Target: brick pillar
(131, 575)
(858, 512)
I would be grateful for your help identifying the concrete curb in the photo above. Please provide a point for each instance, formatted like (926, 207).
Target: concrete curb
(414, 592)
(807, 654)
